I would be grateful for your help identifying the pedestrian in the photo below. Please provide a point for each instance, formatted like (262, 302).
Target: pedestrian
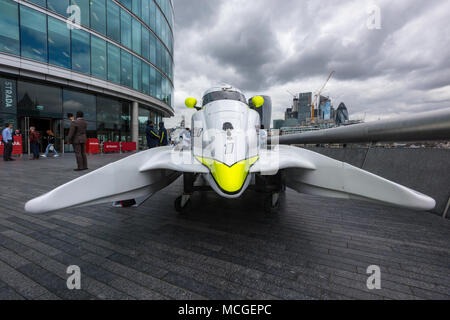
(163, 135)
(7, 140)
(152, 135)
(51, 144)
(34, 143)
(77, 136)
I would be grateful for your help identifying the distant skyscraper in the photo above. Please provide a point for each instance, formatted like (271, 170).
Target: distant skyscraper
(341, 114)
(304, 106)
(325, 108)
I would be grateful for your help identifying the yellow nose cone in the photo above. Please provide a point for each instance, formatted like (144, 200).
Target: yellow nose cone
(229, 179)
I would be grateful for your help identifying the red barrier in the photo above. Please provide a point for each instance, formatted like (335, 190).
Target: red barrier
(111, 147)
(128, 146)
(17, 146)
(92, 146)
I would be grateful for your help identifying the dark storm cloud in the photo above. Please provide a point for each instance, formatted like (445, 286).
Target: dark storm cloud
(268, 46)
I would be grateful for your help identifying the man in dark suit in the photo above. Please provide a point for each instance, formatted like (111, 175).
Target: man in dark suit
(77, 136)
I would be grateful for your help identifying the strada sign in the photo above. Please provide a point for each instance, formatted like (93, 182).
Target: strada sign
(7, 95)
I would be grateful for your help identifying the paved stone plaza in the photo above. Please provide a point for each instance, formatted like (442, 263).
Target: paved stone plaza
(315, 248)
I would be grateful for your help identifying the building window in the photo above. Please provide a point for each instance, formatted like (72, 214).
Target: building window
(136, 7)
(146, 11)
(153, 9)
(84, 10)
(158, 85)
(158, 54)
(9, 26)
(38, 2)
(137, 74)
(144, 116)
(113, 21)
(113, 63)
(74, 101)
(152, 48)
(58, 6)
(158, 23)
(125, 122)
(125, 26)
(81, 53)
(153, 81)
(108, 119)
(145, 43)
(98, 16)
(126, 69)
(145, 78)
(98, 57)
(38, 100)
(58, 43)
(136, 36)
(127, 4)
(33, 34)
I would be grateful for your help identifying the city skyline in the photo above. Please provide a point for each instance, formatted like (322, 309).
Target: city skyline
(267, 47)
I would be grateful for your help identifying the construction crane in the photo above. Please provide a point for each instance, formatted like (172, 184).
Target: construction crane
(317, 95)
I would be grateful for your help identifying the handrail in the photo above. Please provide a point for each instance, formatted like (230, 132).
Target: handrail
(426, 126)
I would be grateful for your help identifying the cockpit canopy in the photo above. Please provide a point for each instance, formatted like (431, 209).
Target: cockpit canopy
(223, 94)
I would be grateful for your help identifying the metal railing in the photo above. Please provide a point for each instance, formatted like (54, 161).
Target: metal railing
(427, 126)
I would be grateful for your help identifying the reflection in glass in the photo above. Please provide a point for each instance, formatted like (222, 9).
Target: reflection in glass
(81, 53)
(113, 63)
(127, 4)
(98, 16)
(153, 81)
(136, 26)
(152, 48)
(137, 77)
(146, 11)
(125, 33)
(33, 34)
(98, 56)
(145, 78)
(39, 2)
(58, 43)
(58, 6)
(152, 15)
(9, 26)
(136, 8)
(74, 101)
(108, 119)
(126, 77)
(84, 10)
(113, 21)
(145, 43)
(125, 122)
(37, 100)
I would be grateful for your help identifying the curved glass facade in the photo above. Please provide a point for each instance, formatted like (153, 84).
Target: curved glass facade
(127, 42)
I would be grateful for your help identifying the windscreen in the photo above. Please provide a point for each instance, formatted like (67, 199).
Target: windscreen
(223, 95)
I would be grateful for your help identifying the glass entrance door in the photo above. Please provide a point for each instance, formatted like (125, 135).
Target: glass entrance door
(42, 125)
(24, 127)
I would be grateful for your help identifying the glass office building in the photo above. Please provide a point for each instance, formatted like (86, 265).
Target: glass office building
(111, 59)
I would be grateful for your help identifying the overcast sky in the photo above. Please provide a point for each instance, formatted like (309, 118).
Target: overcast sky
(271, 46)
